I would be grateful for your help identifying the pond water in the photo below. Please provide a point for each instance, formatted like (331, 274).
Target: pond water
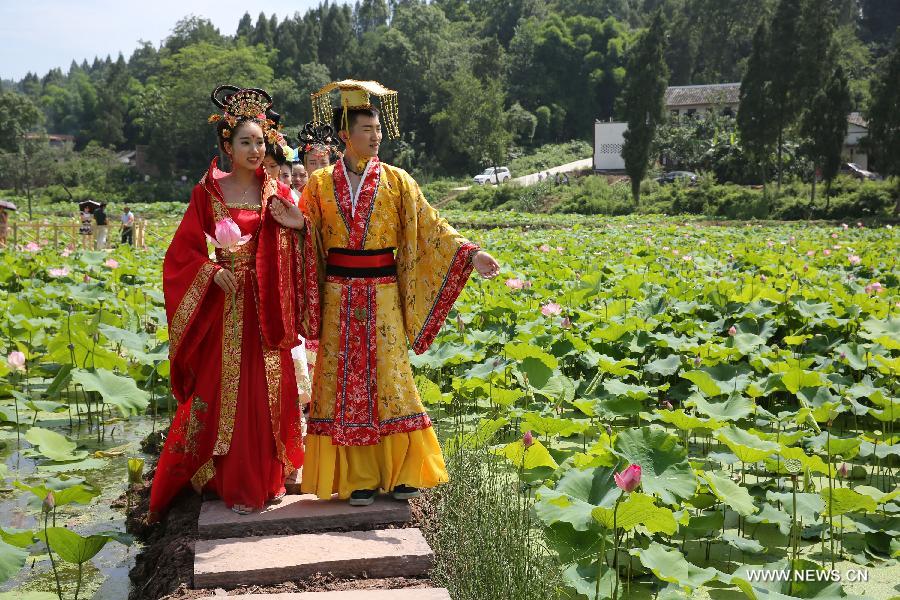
(106, 575)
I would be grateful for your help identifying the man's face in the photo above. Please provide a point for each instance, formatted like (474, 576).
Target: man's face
(365, 135)
(299, 177)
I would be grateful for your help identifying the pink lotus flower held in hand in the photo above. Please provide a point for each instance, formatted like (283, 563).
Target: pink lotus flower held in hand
(16, 360)
(550, 309)
(228, 236)
(515, 283)
(112, 263)
(629, 479)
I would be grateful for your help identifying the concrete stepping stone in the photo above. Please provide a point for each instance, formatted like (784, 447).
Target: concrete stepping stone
(401, 594)
(268, 560)
(300, 514)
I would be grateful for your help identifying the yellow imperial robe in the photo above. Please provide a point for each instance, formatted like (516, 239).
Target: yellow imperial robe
(389, 269)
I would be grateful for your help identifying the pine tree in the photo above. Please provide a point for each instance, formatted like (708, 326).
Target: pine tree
(785, 67)
(756, 113)
(642, 100)
(884, 114)
(824, 123)
(245, 27)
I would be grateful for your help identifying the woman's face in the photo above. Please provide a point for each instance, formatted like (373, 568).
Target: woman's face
(246, 147)
(300, 177)
(271, 166)
(317, 158)
(284, 174)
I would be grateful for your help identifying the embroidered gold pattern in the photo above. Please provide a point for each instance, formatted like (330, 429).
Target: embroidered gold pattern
(272, 361)
(195, 425)
(203, 475)
(232, 329)
(188, 305)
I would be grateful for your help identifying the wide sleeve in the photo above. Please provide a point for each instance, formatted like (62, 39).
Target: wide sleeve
(187, 277)
(433, 264)
(310, 264)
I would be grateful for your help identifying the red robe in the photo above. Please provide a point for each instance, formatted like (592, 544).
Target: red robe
(237, 427)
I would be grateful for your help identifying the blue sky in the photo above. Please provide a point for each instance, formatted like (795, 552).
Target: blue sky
(38, 35)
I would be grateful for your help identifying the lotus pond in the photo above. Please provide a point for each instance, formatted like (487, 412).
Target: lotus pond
(749, 370)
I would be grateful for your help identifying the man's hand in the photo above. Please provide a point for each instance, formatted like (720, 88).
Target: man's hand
(486, 265)
(287, 214)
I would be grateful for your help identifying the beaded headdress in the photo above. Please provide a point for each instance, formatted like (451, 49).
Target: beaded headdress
(356, 94)
(316, 137)
(244, 104)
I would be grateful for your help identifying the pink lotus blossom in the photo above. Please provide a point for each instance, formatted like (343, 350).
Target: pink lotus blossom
(228, 236)
(544, 248)
(112, 263)
(667, 405)
(810, 253)
(844, 226)
(834, 236)
(805, 268)
(836, 247)
(675, 251)
(528, 439)
(859, 224)
(827, 251)
(560, 249)
(527, 285)
(66, 253)
(763, 278)
(854, 259)
(87, 278)
(648, 239)
(843, 471)
(687, 258)
(770, 243)
(698, 361)
(61, 272)
(629, 479)
(49, 503)
(873, 288)
(732, 331)
(16, 360)
(515, 283)
(550, 309)
(32, 247)
(566, 323)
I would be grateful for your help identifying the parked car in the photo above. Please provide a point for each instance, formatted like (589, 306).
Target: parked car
(673, 176)
(854, 170)
(489, 176)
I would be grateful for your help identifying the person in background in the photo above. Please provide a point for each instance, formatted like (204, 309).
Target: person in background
(102, 228)
(284, 174)
(127, 226)
(299, 177)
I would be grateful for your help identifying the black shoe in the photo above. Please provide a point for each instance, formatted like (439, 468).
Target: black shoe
(405, 492)
(362, 497)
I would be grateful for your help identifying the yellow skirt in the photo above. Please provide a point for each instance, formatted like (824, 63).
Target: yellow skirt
(412, 459)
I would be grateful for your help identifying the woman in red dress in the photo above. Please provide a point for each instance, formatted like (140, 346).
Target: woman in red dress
(233, 321)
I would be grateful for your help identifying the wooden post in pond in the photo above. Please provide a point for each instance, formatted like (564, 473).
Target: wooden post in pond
(15, 234)
(55, 235)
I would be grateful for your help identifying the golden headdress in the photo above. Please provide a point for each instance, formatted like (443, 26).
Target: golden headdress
(240, 104)
(356, 94)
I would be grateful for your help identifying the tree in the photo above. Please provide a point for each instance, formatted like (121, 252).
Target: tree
(20, 116)
(884, 114)
(784, 70)
(370, 15)
(642, 100)
(192, 30)
(824, 124)
(178, 104)
(470, 125)
(262, 33)
(245, 27)
(756, 113)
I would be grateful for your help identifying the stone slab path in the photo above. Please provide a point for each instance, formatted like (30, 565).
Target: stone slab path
(303, 536)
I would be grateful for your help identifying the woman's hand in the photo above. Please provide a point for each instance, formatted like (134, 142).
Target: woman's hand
(287, 214)
(226, 280)
(486, 265)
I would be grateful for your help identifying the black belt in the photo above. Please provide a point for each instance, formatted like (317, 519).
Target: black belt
(344, 262)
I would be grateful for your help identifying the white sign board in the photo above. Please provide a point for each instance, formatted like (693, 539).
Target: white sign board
(608, 139)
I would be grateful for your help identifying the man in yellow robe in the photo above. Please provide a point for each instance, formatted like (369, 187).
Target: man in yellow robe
(389, 270)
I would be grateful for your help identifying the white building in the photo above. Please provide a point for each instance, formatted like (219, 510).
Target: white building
(699, 100)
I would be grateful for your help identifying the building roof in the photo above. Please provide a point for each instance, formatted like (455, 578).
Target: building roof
(857, 119)
(689, 95)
